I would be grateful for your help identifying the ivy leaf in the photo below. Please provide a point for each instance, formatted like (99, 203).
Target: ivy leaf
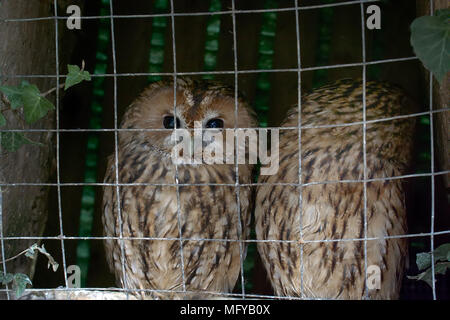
(442, 253)
(75, 76)
(12, 141)
(423, 260)
(20, 283)
(35, 106)
(430, 38)
(6, 278)
(2, 120)
(51, 261)
(439, 268)
(30, 253)
(14, 94)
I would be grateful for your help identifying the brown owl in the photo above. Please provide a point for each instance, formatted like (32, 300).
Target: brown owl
(332, 199)
(203, 213)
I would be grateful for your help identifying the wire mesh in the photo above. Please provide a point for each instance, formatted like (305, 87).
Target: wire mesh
(58, 171)
(296, 8)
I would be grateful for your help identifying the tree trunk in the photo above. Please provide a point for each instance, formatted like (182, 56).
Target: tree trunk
(28, 48)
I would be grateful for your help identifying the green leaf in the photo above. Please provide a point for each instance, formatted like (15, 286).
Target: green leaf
(35, 106)
(12, 141)
(2, 120)
(75, 76)
(6, 278)
(445, 13)
(14, 94)
(424, 276)
(442, 253)
(439, 268)
(423, 260)
(27, 95)
(430, 38)
(20, 283)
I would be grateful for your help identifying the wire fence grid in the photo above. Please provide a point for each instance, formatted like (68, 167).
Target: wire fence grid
(296, 7)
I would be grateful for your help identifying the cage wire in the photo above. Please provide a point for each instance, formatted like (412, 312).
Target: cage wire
(91, 161)
(162, 21)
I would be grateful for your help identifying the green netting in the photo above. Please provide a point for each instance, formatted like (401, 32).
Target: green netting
(91, 160)
(159, 26)
(261, 105)
(323, 52)
(212, 39)
(265, 50)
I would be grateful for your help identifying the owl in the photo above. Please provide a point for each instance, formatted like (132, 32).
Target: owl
(321, 224)
(162, 199)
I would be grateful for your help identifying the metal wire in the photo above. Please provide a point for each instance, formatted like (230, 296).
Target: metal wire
(299, 128)
(346, 124)
(180, 229)
(116, 155)
(2, 242)
(364, 82)
(58, 171)
(433, 274)
(73, 184)
(237, 185)
(187, 14)
(409, 235)
(200, 73)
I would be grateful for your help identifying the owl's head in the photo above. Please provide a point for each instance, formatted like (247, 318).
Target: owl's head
(197, 101)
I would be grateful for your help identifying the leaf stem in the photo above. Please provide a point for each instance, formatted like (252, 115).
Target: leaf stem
(16, 256)
(44, 94)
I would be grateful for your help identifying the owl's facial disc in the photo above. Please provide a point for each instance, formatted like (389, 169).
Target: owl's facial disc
(200, 128)
(210, 106)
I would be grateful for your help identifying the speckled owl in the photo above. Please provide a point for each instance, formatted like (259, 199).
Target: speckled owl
(152, 215)
(322, 254)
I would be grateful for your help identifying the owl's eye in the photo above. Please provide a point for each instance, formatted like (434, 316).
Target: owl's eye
(214, 123)
(169, 122)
